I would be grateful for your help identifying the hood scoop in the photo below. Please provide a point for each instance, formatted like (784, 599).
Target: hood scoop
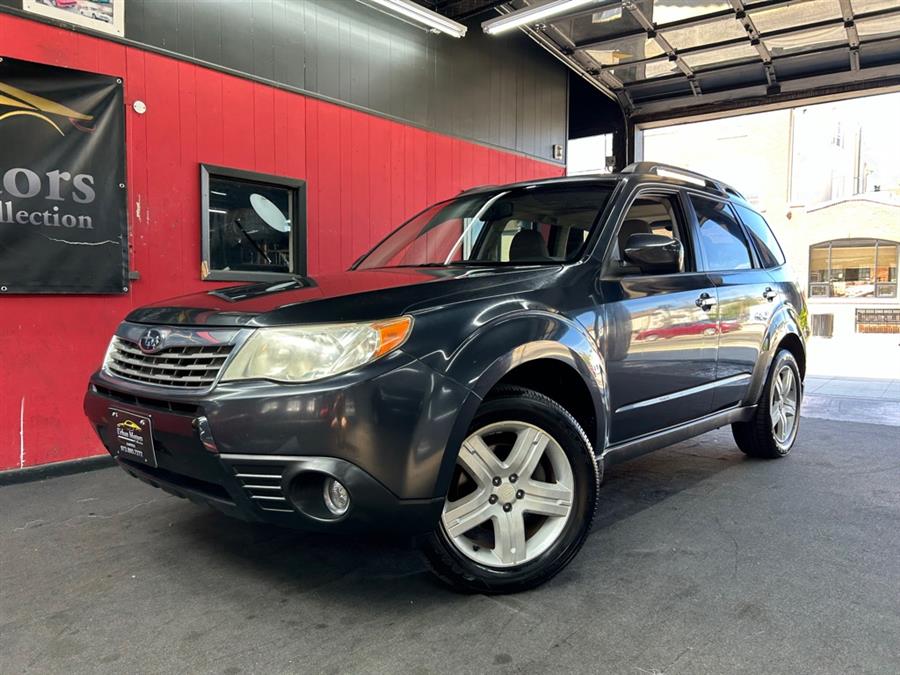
(248, 292)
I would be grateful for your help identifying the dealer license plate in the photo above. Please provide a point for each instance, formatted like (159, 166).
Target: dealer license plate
(133, 436)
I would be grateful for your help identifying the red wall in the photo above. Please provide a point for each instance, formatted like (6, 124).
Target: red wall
(365, 175)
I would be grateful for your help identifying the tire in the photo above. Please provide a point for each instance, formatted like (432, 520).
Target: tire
(548, 510)
(760, 436)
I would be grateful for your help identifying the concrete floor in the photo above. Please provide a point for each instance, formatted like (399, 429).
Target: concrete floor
(857, 355)
(853, 399)
(702, 561)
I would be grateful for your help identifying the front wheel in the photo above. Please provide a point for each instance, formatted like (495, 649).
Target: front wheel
(773, 429)
(521, 500)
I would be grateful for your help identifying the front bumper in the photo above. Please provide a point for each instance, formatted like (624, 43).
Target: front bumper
(382, 436)
(291, 503)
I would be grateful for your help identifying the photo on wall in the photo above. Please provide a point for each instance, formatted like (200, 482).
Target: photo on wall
(107, 16)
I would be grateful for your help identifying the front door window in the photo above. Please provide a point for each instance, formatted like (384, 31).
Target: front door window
(649, 214)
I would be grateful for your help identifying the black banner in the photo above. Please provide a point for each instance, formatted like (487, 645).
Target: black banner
(63, 210)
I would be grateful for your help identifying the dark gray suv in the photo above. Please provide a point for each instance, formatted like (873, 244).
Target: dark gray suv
(468, 379)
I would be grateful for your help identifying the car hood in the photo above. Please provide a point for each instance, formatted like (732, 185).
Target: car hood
(360, 295)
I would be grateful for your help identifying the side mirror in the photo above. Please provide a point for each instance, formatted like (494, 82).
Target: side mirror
(654, 253)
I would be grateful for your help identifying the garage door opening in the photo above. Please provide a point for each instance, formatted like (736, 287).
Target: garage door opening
(593, 154)
(827, 178)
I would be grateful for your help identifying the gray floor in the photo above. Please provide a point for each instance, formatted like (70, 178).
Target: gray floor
(852, 399)
(702, 562)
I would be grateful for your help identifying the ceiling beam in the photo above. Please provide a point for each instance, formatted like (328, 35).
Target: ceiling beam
(838, 75)
(687, 22)
(753, 98)
(852, 33)
(664, 45)
(733, 42)
(740, 13)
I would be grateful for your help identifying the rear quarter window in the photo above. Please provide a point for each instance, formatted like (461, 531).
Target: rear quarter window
(767, 245)
(721, 236)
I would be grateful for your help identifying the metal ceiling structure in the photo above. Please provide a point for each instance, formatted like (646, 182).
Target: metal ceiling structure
(663, 59)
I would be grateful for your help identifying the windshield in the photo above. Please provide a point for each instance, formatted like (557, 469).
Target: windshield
(522, 225)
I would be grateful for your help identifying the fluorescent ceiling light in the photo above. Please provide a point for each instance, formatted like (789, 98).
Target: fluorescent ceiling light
(534, 14)
(418, 14)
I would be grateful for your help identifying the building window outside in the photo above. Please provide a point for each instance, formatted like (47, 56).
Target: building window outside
(593, 154)
(254, 225)
(853, 268)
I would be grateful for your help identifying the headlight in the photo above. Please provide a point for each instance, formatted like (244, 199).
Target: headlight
(307, 353)
(108, 356)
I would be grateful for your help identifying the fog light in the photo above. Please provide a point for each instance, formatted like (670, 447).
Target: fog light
(337, 499)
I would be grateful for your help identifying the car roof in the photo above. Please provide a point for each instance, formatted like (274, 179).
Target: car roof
(649, 172)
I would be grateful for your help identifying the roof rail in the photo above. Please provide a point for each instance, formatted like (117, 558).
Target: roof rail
(683, 174)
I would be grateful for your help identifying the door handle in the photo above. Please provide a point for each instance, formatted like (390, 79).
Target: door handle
(706, 302)
(769, 294)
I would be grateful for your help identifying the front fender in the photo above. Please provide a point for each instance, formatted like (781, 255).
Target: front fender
(498, 347)
(785, 321)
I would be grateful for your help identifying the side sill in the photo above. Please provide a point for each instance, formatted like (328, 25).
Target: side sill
(622, 452)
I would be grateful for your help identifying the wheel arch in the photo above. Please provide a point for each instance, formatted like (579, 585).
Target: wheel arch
(785, 331)
(793, 343)
(527, 350)
(559, 381)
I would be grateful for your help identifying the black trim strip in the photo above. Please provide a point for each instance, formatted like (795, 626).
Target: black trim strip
(622, 452)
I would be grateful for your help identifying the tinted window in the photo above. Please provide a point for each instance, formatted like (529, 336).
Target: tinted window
(766, 243)
(648, 214)
(721, 236)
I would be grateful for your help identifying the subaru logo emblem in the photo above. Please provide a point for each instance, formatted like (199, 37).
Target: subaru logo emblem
(151, 341)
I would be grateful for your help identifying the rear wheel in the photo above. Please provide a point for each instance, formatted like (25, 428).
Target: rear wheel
(772, 431)
(521, 500)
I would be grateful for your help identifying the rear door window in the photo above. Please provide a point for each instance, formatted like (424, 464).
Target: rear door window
(766, 244)
(721, 236)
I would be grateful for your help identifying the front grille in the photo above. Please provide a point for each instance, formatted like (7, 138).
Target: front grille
(192, 366)
(262, 482)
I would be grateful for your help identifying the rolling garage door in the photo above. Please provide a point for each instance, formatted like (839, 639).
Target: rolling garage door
(663, 59)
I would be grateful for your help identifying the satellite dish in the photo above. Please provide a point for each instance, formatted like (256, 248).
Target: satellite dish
(270, 214)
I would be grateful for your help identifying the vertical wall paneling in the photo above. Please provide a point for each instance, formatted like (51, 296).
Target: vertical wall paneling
(503, 91)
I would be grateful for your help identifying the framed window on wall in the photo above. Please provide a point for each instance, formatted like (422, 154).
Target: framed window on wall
(253, 225)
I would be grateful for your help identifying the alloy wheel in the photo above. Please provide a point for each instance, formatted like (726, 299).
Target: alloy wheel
(512, 494)
(783, 405)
